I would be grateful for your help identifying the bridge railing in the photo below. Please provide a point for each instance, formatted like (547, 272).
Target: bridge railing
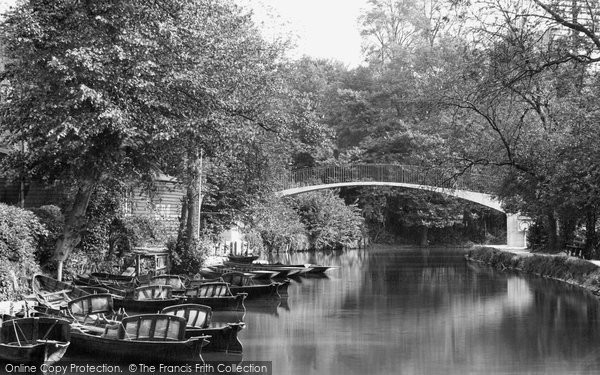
(407, 174)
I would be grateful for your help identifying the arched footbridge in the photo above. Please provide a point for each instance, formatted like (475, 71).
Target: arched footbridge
(473, 187)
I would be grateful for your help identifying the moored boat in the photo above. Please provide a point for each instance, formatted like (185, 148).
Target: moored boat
(151, 298)
(149, 338)
(302, 269)
(34, 341)
(217, 271)
(282, 271)
(242, 258)
(241, 283)
(54, 294)
(217, 295)
(175, 281)
(96, 309)
(223, 336)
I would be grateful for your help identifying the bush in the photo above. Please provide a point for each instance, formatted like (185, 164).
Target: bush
(188, 261)
(132, 231)
(558, 267)
(279, 225)
(329, 222)
(53, 220)
(108, 236)
(20, 234)
(255, 241)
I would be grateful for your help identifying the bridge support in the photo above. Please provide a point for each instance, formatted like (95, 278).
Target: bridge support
(516, 230)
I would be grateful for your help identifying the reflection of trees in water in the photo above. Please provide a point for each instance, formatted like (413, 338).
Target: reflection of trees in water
(560, 323)
(563, 322)
(454, 313)
(384, 311)
(297, 338)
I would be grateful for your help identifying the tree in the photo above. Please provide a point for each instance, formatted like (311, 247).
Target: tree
(329, 222)
(279, 225)
(522, 101)
(104, 90)
(82, 81)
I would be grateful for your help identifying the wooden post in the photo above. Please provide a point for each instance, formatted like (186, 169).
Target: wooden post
(200, 190)
(59, 271)
(138, 264)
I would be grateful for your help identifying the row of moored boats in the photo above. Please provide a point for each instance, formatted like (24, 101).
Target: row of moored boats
(161, 318)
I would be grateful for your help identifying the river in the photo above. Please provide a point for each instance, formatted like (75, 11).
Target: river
(402, 310)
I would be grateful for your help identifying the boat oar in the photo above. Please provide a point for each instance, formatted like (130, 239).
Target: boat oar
(16, 333)
(50, 329)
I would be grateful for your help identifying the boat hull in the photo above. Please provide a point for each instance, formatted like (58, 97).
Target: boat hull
(40, 341)
(256, 291)
(242, 258)
(223, 337)
(144, 306)
(225, 303)
(146, 351)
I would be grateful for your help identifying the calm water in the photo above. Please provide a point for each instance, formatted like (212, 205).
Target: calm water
(415, 311)
(418, 311)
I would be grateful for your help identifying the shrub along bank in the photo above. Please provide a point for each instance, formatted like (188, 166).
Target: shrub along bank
(572, 270)
(20, 235)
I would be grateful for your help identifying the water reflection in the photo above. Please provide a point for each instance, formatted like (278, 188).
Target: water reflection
(409, 311)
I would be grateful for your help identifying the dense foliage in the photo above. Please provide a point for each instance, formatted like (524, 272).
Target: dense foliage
(330, 223)
(20, 235)
(279, 226)
(103, 92)
(503, 88)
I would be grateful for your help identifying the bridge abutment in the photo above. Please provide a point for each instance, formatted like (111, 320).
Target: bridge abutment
(516, 230)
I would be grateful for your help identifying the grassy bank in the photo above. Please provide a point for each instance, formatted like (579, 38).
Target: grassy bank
(568, 269)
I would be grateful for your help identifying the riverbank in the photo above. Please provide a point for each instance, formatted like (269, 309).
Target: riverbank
(571, 270)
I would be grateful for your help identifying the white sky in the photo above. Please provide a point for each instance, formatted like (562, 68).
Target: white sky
(4, 4)
(323, 28)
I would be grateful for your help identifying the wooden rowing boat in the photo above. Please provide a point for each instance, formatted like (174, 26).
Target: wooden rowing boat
(175, 281)
(223, 336)
(241, 283)
(150, 298)
(96, 310)
(150, 338)
(312, 269)
(54, 294)
(302, 269)
(246, 268)
(217, 295)
(34, 341)
(242, 258)
(121, 282)
(281, 271)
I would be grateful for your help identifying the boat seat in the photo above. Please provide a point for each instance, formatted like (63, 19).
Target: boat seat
(215, 289)
(95, 330)
(153, 292)
(198, 316)
(151, 327)
(173, 280)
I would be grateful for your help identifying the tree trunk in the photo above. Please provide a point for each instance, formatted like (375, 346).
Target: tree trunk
(567, 231)
(590, 231)
(191, 226)
(552, 237)
(188, 225)
(424, 231)
(74, 223)
(183, 217)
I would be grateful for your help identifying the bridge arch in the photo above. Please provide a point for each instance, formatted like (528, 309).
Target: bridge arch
(471, 187)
